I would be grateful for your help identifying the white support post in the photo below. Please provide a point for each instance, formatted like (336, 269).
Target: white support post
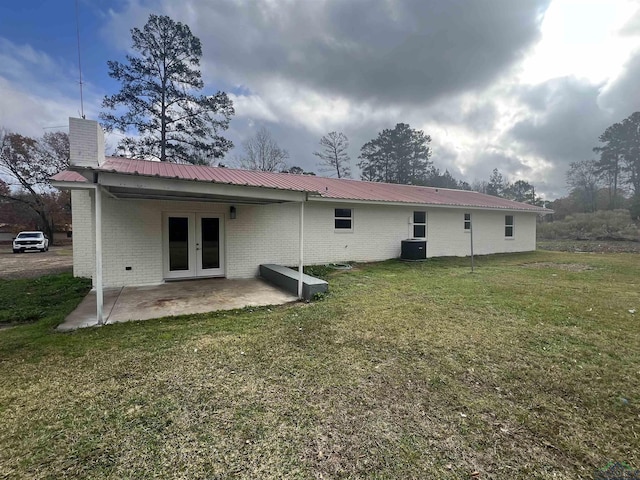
(99, 288)
(471, 238)
(301, 250)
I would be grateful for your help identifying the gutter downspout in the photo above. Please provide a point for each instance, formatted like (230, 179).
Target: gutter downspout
(98, 240)
(301, 248)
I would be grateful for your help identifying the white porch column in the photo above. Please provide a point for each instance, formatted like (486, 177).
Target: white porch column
(301, 250)
(471, 237)
(99, 289)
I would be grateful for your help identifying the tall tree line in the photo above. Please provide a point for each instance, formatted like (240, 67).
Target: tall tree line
(619, 162)
(403, 155)
(519, 191)
(611, 181)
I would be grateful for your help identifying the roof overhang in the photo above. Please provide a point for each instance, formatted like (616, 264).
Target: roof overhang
(537, 210)
(131, 186)
(137, 186)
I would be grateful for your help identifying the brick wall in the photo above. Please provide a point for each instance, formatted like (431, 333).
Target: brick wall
(133, 235)
(83, 233)
(447, 237)
(86, 142)
(376, 234)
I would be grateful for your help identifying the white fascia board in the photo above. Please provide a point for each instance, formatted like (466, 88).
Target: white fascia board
(79, 186)
(141, 183)
(422, 205)
(72, 185)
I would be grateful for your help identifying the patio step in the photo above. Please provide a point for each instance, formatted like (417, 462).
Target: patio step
(287, 279)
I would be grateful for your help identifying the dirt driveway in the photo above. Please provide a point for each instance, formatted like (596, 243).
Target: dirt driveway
(35, 264)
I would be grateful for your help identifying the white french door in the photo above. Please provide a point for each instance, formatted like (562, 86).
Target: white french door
(209, 245)
(193, 245)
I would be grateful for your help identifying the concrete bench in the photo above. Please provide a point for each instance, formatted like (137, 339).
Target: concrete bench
(287, 279)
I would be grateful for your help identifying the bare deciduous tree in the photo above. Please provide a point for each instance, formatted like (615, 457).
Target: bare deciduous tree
(261, 152)
(585, 181)
(27, 164)
(334, 157)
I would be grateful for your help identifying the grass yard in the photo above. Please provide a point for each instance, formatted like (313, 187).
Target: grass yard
(48, 298)
(528, 368)
(593, 246)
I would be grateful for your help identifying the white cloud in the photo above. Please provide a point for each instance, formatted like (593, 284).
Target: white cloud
(253, 107)
(582, 38)
(494, 86)
(38, 92)
(307, 71)
(23, 112)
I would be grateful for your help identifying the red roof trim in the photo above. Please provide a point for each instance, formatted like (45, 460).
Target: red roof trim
(327, 188)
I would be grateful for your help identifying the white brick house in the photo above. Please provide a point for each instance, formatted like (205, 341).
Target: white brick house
(160, 221)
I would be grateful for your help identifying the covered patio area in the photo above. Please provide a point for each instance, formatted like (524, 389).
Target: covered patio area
(175, 298)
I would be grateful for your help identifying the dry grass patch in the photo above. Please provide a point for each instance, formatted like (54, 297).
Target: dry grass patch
(569, 267)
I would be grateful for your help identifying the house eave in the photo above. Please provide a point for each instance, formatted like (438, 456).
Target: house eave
(142, 187)
(428, 205)
(136, 186)
(62, 185)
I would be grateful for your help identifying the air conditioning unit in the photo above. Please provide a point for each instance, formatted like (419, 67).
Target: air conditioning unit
(413, 249)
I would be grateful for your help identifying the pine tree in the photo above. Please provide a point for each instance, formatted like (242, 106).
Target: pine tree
(401, 155)
(496, 184)
(160, 91)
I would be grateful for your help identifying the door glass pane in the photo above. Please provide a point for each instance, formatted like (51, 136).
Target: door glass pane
(210, 243)
(178, 243)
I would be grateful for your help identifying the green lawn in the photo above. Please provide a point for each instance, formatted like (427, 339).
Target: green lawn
(528, 368)
(48, 298)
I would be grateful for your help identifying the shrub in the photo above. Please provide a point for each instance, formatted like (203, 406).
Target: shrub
(318, 271)
(600, 225)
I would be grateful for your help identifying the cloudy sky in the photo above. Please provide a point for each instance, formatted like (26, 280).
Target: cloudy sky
(524, 86)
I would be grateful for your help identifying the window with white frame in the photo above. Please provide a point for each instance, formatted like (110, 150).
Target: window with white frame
(509, 227)
(467, 222)
(419, 224)
(343, 219)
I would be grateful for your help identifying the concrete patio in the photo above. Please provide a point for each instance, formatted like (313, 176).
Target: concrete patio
(175, 298)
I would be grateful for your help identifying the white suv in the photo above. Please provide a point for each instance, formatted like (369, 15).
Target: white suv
(30, 241)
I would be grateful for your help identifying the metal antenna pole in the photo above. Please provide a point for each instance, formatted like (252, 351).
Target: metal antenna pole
(79, 62)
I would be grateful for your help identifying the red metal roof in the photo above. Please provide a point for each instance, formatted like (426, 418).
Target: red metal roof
(68, 176)
(342, 189)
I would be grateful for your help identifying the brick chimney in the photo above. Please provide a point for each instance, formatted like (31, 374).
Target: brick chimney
(86, 141)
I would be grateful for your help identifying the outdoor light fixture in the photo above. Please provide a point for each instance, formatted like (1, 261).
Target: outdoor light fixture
(232, 212)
